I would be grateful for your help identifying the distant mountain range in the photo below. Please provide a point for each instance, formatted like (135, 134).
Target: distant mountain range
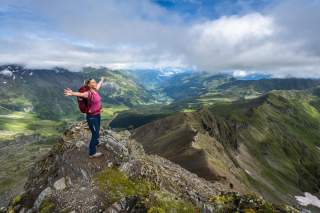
(191, 91)
(41, 90)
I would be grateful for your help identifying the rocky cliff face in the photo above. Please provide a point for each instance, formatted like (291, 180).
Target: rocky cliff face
(125, 179)
(198, 142)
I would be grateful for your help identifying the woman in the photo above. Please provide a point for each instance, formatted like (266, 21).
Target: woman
(93, 115)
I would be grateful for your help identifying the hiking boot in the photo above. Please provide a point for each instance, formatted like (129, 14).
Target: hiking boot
(98, 154)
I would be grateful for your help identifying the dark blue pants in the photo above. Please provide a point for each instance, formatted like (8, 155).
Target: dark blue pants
(94, 126)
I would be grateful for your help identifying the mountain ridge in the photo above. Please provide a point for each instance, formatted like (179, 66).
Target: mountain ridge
(62, 186)
(266, 130)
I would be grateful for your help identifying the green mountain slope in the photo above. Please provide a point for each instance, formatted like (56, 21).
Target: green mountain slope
(282, 136)
(193, 84)
(119, 88)
(208, 87)
(265, 85)
(41, 91)
(269, 144)
(191, 91)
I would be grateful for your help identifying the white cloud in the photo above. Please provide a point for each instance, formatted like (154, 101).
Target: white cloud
(241, 73)
(220, 44)
(235, 30)
(283, 40)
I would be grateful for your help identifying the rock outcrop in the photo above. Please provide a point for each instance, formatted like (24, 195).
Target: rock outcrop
(124, 179)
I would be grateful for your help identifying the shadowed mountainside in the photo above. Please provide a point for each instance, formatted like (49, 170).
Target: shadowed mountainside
(270, 144)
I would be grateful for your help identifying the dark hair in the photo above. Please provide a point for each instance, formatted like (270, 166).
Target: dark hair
(87, 82)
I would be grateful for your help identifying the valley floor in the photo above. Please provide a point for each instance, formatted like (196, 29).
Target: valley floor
(16, 157)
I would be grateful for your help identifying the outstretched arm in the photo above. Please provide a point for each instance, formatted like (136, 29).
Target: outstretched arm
(100, 83)
(69, 92)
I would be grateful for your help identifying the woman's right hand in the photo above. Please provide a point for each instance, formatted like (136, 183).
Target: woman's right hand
(67, 92)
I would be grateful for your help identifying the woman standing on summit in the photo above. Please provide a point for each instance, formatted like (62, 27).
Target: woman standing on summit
(93, 114)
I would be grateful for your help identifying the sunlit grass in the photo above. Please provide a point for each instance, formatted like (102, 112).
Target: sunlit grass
(27, 123)
(18, 123)
(109, 111)
(188, 110)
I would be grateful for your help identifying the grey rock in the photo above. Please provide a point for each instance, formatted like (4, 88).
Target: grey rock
(123, 205)
(60, 184)
(84, 174)
(80, 144)
(3, 209)
(45, 193)
(23, 210)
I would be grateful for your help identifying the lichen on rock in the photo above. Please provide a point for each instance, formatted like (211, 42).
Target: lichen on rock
(116, 185)
(47, 206)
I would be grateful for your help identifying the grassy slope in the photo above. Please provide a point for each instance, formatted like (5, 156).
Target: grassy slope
(281, 134)
(193, 85)
(119, 88)
(273, 138)
(41, 91)
(265, 85)
(198, 89)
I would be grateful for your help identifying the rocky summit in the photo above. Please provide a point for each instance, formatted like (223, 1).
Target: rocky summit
(125, 179)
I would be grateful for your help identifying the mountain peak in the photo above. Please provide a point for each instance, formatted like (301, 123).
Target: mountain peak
(124, 178)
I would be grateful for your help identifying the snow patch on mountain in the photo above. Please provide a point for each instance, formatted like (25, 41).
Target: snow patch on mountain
(6, 72)
(308, 199)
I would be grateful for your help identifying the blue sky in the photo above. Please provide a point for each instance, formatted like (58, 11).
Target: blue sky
(276, 37)
(211, 9)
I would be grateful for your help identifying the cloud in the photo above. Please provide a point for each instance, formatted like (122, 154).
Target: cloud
(78, 33)
(283, 39)
(227, 42)
(241, 73)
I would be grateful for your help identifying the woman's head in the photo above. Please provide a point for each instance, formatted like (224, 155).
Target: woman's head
(91, 83)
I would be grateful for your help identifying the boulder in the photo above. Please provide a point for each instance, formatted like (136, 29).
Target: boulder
(60, 184)
(45, 193)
